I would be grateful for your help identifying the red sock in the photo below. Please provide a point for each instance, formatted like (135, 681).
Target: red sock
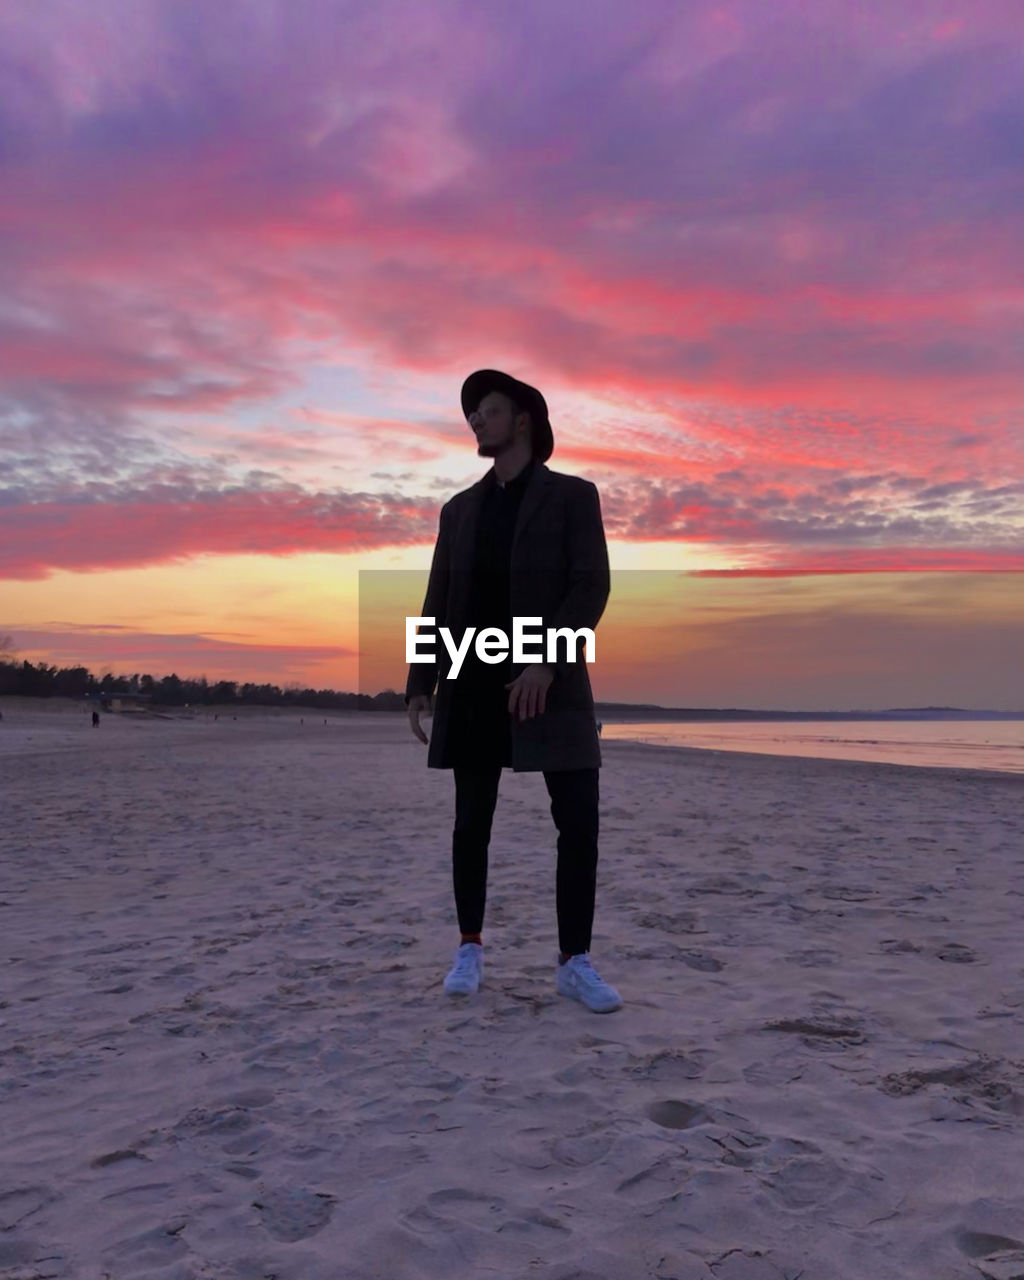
(473, 937)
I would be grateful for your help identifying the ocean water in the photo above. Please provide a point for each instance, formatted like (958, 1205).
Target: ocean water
(945, 744)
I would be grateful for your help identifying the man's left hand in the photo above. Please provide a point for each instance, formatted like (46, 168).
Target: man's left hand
(528, 692)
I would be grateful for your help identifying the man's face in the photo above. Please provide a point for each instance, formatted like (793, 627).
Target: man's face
(496, 425)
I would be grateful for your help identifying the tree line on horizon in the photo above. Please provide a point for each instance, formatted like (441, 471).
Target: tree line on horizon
(38, 680)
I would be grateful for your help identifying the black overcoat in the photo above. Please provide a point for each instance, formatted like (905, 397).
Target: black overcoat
(559, 573)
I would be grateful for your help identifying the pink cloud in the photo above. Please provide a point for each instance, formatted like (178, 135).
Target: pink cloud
(799, 230)
(865, 523)
(90, 536)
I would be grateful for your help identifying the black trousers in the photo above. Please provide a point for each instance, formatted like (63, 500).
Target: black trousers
(574, 804)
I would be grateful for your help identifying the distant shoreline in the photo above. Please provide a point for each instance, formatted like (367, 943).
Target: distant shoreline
(626, 713)
(783, 762)
(606, 712)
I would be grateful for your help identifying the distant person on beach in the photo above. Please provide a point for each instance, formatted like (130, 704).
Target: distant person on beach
(521, 542)
(95, 719)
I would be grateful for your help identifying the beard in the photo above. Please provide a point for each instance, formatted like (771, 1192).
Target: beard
(496, 447)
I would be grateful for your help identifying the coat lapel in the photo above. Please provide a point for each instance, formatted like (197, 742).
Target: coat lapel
(536, 491)
(465, 540)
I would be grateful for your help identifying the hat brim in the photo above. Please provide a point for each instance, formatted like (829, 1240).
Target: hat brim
(481, 383)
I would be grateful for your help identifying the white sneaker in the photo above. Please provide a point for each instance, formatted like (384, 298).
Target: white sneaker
(467, 972)
(579, 980)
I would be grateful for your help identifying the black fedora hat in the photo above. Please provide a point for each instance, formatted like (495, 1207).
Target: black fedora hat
(481, 383)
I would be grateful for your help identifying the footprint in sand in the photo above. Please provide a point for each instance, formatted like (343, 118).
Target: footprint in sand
(793, 1171)
(805, 1180)
(668, 1066)
(587, 1147)
(232, 1128)
(727, 886)
(995, 1257)
(995, 1084)
(745, 1264)
(294, 1213)
(115, 1157)
(684, 922)
(848, 893)
(22, 1202)
(473, 1207)
(675, 1114)
(897, 946)
(452, 1207)
(527, 1148)
(220, 1122)
(956, 953)
(250, 1098)
(820, 1032)
(155, 1248)
(900, 1083)
(527, 1219)
(156, 1193)
(579, 1073)
(739, 1148)
(778, 1071)
(699, 960)
(30, 1260)
(980, 1244)
(813, 958)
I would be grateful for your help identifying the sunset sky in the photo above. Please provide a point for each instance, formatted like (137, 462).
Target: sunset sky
(764, 260)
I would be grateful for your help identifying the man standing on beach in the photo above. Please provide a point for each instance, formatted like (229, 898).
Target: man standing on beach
(523, 542)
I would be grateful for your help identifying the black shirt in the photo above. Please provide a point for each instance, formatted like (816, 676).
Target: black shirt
(480, 721)
(490, 588)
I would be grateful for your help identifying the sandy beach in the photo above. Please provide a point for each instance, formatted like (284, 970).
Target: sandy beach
(225, 1053)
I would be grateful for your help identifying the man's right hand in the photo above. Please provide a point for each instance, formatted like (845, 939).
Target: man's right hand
(419, 705)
